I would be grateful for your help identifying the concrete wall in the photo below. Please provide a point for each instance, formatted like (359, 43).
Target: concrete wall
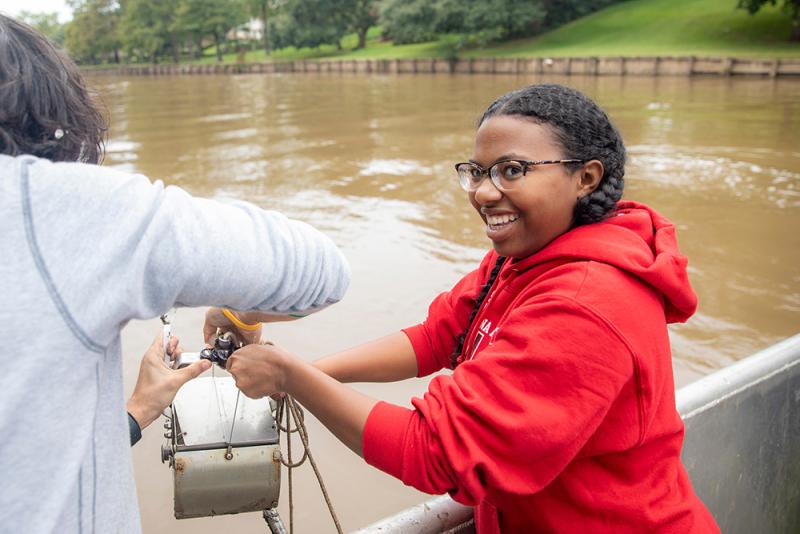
(596, 66)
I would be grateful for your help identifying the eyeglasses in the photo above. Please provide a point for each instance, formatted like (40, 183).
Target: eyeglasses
(506, 174)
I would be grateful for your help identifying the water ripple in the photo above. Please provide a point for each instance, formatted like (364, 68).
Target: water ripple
(242, 133)
(394, 167)
(224, 117)
(709, 170)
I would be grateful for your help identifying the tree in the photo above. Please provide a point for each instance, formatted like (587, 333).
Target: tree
(93, 33)
(363, 16)
(490, 20)
(791, 7)
(312, 23)
(47, 23)
(146, 29)
(263, 9)
(409, 21)
(212, 18)
(318, 22)
(476, 21)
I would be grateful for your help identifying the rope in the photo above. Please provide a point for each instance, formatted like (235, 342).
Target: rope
(296, 412)
(463, 528)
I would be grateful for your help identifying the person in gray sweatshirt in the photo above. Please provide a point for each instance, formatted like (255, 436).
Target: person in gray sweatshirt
(85, 249)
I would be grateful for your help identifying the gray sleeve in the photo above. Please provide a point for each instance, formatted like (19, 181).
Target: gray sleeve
(119, 247)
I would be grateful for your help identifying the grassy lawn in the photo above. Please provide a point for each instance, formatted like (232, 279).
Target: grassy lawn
(663, 27)
(632, 28)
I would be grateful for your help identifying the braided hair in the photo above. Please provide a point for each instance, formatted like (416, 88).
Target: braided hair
(481, 296)
(585, 133)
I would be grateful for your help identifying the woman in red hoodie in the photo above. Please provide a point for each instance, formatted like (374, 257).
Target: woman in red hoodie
(560, 413)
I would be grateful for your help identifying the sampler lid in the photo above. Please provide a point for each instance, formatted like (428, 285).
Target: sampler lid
(203, 411)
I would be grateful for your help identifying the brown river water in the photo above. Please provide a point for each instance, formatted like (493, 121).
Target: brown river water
(368, 159)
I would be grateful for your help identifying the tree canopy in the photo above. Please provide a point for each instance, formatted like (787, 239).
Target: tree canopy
(47, 23)
(93, 34)
(312, 23)
(479, 21)
(792, 7)
(152, 30)
(198, 19)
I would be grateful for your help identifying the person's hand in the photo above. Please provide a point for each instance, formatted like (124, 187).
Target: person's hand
(261, 370)
(216, 321)
(157, 384)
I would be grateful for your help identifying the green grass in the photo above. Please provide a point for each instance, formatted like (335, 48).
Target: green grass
(663, 27)
(632, 28)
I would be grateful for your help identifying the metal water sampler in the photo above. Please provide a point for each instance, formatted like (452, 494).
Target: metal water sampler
(223, 449)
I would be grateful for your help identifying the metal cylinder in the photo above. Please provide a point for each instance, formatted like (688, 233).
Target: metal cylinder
(206, 482)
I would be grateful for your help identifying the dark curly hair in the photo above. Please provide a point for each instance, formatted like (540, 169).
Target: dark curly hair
(584, 131)
(46, 109)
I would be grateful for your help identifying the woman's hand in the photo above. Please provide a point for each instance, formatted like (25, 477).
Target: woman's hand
(217, 321)
(261, 370)
(157, 384)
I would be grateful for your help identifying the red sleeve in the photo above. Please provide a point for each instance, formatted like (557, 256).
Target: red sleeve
(514, 417)
(434, 340)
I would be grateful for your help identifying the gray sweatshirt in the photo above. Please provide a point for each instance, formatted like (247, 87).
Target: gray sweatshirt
(85, 249)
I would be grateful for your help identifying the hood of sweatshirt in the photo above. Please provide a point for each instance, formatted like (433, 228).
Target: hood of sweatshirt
(638, 240)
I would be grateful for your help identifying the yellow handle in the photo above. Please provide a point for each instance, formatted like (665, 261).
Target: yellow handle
(238, 323)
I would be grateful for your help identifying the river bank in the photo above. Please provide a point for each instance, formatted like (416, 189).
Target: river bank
(598, 66)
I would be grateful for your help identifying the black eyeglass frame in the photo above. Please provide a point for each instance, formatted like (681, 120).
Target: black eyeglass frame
(495, 177)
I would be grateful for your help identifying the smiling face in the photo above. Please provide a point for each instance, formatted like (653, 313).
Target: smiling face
(524, 220)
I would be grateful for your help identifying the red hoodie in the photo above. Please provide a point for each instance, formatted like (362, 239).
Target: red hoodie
(561, 416)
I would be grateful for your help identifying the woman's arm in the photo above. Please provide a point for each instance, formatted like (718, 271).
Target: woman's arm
(388, 359)
(261, 370)
(510, 420)
(147, 248)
